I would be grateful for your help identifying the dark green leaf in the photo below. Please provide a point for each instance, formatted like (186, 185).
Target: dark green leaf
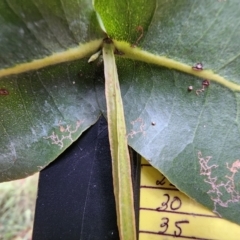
(43, 113)
(193, 139)
(37, 29)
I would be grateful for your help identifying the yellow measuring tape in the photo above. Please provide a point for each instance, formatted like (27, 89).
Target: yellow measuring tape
(167, 214)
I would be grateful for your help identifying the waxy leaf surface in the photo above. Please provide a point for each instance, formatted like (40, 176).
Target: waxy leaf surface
(193, 139)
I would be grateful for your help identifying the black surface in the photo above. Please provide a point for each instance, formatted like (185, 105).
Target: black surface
(75, 192)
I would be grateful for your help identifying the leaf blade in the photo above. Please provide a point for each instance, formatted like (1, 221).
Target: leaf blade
(126, 17)
(169, 125)
(44, 112)
(36, 30)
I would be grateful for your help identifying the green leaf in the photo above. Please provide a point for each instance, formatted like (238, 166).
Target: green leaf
(121, 19)
(123, 189)
(34, 30)
(193, 139)
(43, 113)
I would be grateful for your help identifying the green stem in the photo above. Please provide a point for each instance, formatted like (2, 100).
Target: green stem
(119, 149)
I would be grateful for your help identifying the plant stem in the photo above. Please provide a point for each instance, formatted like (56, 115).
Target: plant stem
(122, 179)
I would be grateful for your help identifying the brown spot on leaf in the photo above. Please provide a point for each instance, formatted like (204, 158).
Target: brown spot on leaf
(4, 91)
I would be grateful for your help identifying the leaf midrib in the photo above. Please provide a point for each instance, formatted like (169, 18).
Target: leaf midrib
(71, 54)
(128, 51)
(145, 56)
